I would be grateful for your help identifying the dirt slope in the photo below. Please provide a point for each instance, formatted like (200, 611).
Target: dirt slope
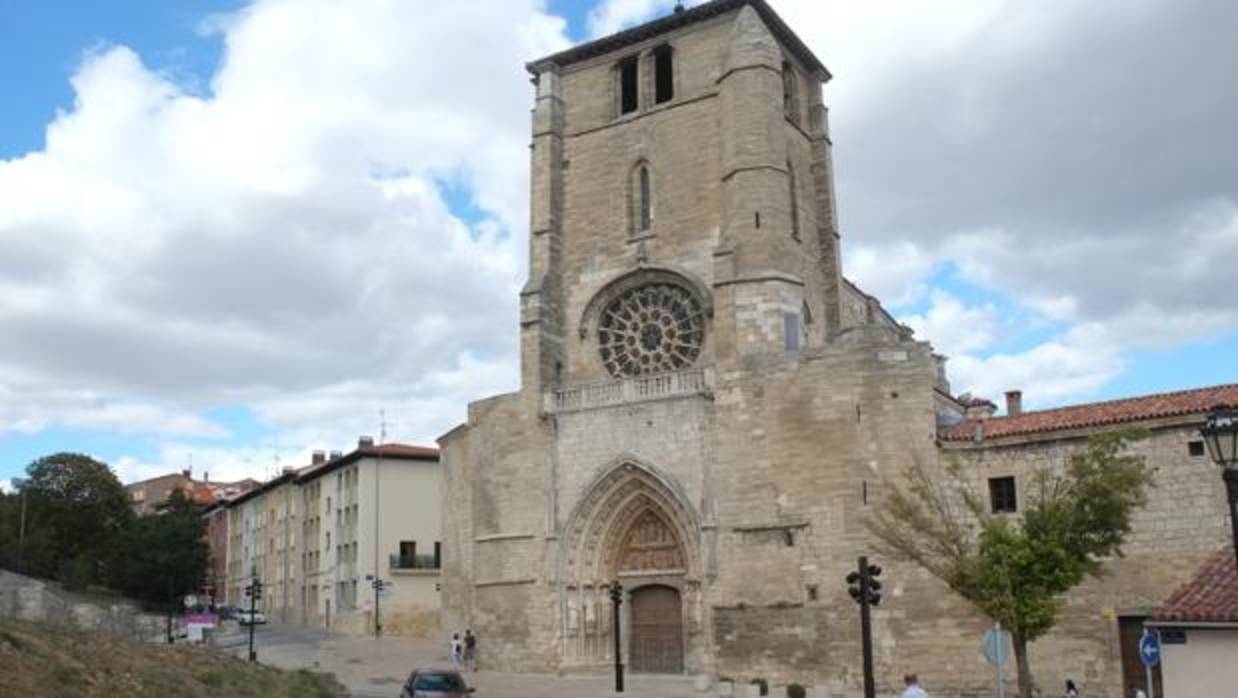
(37, 660)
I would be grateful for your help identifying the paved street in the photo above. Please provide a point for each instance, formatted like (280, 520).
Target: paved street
(377, 668)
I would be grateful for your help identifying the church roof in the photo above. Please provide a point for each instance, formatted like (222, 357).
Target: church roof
(1210, 597)
(683, 18)
(1095, 414)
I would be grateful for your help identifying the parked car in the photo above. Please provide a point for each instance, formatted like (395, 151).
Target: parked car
(433, 683)
(246, 616)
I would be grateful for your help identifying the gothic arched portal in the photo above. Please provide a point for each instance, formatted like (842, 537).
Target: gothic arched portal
(633, 525)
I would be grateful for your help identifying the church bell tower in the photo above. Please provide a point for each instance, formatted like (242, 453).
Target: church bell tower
(682, 203)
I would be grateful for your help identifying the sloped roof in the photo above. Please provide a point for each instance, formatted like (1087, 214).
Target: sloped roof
(1094, 414)
(675, 20)
(394, 451)
(1210, 597)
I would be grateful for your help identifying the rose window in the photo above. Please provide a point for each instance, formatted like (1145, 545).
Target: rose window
(650, 329)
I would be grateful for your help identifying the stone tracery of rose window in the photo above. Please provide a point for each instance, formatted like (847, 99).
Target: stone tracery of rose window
(651, 329)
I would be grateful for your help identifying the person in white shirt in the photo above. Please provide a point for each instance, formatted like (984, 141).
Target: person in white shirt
(455, 651)
(913, 689)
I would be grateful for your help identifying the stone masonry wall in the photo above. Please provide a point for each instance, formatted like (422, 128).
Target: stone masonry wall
(1183, 522)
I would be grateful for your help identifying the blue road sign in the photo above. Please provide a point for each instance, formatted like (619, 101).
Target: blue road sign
(1150, 648)
(995, 646)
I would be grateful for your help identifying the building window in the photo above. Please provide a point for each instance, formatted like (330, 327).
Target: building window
(1195, 448)
(664, 75)
(628, 85)
(795, 201)
(644, 199)
(791, 332)
(1002, 495)
(408, 554)
(790, 92)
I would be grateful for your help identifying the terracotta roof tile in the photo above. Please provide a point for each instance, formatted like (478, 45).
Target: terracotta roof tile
(1210, 597)
(1092, 414)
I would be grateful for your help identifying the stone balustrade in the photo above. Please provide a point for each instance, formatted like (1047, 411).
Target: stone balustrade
(624, 391)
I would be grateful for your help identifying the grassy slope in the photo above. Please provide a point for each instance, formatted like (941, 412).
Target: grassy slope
(36, 660)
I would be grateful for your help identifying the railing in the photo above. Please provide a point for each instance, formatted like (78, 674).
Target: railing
(413, 562)
(628, 390)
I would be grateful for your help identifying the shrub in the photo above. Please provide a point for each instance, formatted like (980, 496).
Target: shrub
(763, 684)
(795, 690)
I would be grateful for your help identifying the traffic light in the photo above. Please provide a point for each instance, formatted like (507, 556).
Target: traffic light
(865, 584)
(874, 586)
(864, 588)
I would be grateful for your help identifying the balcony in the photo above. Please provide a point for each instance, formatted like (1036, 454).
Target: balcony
(625, 391)
(413, 562)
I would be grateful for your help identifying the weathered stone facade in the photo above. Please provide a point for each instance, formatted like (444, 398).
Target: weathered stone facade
(728, 495)
(1183, 523)
(735, 481)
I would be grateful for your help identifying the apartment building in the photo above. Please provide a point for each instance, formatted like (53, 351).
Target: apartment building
(280, 548)
(215, 585)
(376, 515)
(318, 537)
(244, 518)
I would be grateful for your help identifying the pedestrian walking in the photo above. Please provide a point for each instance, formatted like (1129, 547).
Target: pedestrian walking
(455, 651)
(470, 649)
(1071, 691)
(913, 690)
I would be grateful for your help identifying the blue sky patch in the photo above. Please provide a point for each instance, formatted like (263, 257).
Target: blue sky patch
(42, 43)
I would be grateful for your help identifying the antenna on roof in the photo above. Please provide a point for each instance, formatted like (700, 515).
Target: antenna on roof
(382, 426)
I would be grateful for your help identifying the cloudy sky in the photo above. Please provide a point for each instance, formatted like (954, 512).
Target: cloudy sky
(232, 232)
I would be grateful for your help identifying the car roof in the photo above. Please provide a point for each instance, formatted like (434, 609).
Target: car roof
(437, 671)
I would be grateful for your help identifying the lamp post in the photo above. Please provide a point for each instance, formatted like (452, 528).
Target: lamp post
(1220, 433)
(254, 592)
(616, 598)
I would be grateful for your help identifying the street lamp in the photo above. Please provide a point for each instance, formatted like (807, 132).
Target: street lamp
(1220, 432)
(616, 598)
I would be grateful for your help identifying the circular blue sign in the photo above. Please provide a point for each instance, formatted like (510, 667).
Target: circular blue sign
(1150, 648)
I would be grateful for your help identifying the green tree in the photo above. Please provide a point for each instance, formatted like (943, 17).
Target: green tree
(75, 509)
(161, 557)
(1015, 569)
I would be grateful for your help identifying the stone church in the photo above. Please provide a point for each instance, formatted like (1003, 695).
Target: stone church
(707, 407)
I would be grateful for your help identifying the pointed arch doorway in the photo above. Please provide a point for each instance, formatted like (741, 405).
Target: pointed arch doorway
(655, 644)
(632, 524)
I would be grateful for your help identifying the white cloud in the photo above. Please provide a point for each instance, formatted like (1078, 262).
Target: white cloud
(953, 327)
(896, 273)
(1012, 142)
(610, 16)
(6, 486)
(281, 239)
(1074, 365)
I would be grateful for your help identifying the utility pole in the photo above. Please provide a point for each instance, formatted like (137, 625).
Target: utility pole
(379, 585)
(378, 469)
(171, 605)
(866, 591)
